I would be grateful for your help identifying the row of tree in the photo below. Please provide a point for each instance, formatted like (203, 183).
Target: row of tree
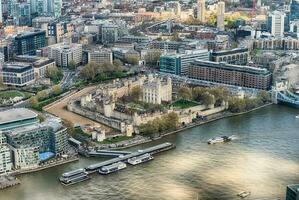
(167, 122)
(237, 105)
(44, 95)
(92, 69)
(206, 96)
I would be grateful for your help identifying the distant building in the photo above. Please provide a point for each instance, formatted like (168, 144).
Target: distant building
(27, 43)
(178, 63)
(109, 33)
(201, 10)
(100, 56)
(22, 14)
(238, 56)
(276, 43)
(223, 73)
(155, 91)
(220, 15)
(294, 7)
(124, 54)
(64, 54)
(292, 192)
(277, 23)
(17, 74)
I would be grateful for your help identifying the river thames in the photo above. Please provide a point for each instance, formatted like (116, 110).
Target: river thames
(263, 160)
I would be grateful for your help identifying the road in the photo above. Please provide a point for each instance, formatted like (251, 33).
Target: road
(59, 109)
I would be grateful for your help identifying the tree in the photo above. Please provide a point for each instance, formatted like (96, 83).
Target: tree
(56, 90)
(208, 99)
(33, 101)
(72, 64)
(185, 93)
(263, 96)
(136, 93)
(236, 105)
(54, 74)
(152, 58)
(118, 65)
(89, 71)
(41, 95)
(132, 59)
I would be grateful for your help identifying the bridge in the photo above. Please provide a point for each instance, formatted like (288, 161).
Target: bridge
(281, 95)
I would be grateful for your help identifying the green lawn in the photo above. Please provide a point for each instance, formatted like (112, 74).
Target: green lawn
(115, 139)
(183, 104)
(14, 93)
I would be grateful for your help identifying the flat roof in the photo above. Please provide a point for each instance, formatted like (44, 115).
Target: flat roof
(16, 114)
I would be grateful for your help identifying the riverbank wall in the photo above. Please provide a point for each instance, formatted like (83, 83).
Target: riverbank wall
(218, 116)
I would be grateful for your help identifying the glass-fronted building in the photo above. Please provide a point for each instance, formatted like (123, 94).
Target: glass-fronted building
(292, 192)
(178, 63)
(28, 43)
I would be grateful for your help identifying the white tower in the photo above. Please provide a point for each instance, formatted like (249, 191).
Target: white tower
(220, 15)
(201, 9)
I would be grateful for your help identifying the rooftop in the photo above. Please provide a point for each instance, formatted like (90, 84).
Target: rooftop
(16, 114)
(294, 187)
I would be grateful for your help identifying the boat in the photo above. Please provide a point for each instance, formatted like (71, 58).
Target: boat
(244, 194)
(221, 139)
(140, 159)
(112, 168)
(297, 116)
(73, 177)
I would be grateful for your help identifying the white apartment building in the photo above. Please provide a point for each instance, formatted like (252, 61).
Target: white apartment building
(277, 23)
(64, 54)
(5, 156)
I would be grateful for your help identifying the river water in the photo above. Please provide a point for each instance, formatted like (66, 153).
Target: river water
(263, 160)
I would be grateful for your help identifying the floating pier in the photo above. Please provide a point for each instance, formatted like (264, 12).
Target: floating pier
(124, 158)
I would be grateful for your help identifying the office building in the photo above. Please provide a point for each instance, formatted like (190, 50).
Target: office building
(178, 63)
(109, 33)
(22, 14)
(220, 15)
(13, 118)
(238, 56)
(100, 56)
(201, 9)
(57, 5)
(17, 74)
(223, 73)
(37, 142)
(64, 54)
(27, 43)
(124, 53)
(294, 7)
(277, 23)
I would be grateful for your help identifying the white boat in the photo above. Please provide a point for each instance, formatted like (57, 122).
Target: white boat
(297, 116)
(222, 139)
(112, 168)
(140, 159)
(244, 194)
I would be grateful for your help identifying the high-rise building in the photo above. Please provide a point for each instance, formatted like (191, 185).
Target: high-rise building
(27, 43)
(292, 192)
(277, 23)
(22, 14)
(5, 155)
(294, 8)
(220, 15)
(201, 9)
(1, 19)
